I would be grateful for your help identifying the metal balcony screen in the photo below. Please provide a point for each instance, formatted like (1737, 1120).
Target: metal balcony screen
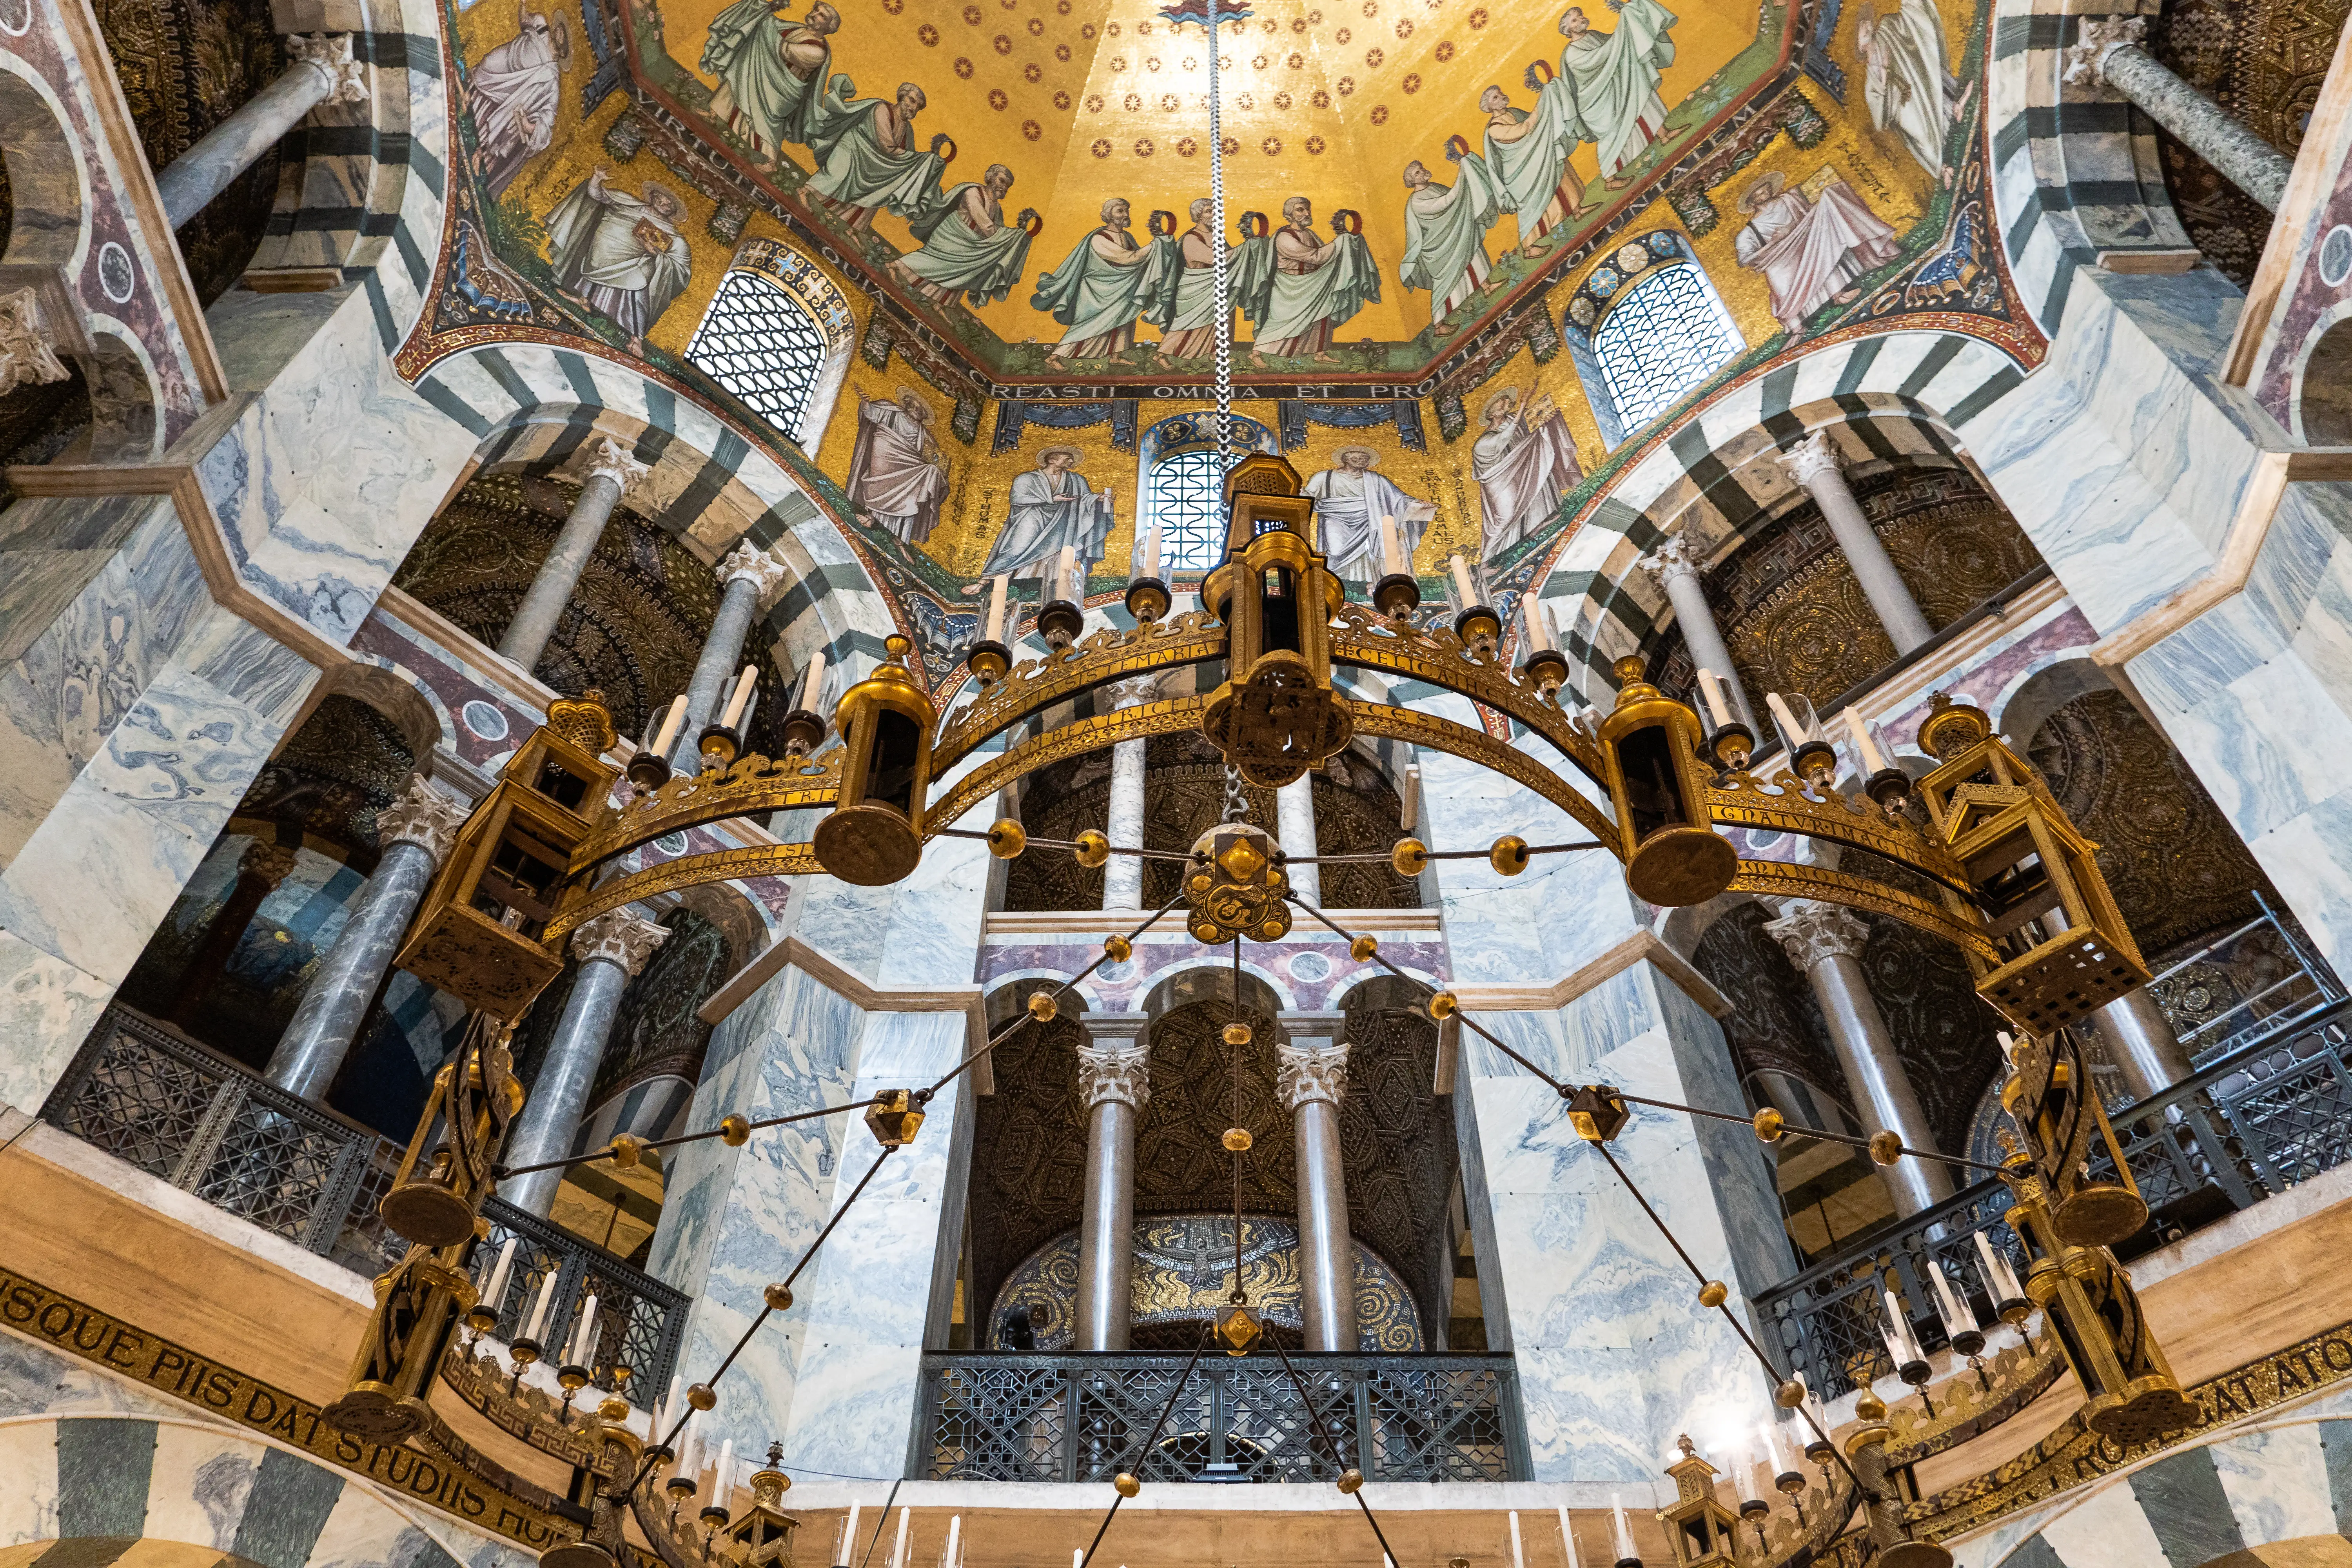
(1664, 337)
(759, 343)
(1188, 502)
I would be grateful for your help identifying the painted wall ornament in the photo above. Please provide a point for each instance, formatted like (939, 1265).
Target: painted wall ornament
(1615, 77)
(1445, 231)
(967, 247)
(1524, 462)
(1910, 90)
(1811, 244)
(1527, 153)
(1052, 507)
(772, 73)
(1350, 501)
(897, 475)
(514, 93)
(619, 254)
(1298, 290)
(869, 165)
(1104, 285)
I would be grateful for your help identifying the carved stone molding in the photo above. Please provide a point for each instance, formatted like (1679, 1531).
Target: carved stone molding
(1812, 460)
(1673, 559)
(748, 562)
(1304, 1073)
(618, 937)
(2096, 41)
(27, 352)
(424, 817)
(1120, 1073)
(605, 458)
(331, 53)
(1815, 934)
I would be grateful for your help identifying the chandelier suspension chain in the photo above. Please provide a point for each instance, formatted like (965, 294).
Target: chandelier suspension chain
(1220, 279)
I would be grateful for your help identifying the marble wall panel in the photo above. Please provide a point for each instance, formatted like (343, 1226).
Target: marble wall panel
(46, 1007)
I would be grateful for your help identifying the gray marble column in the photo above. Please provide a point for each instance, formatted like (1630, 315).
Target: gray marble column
(1825, 942)
(322, 72)
(415, 833)
(1123, 823)
(611, 948)
(1311, 1074)
(1114, 1082)
(1294, 826)
(606, 471)
(1813, 463)
(1676, 566)
(2140, 1039)
(747, 576)
(2109, 54)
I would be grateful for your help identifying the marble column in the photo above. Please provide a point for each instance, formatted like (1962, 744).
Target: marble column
(746, 575)
(1294, 826)
(1123, 875)
(2140, 1039)
(1311, 1074)
(1825, 942)
(1676, 566)
(1813, 463)
(611, 948)
(1114, 1082)
(606, 471)
(259, 869)
(322, 71)
(415, 833)
(2109, 53)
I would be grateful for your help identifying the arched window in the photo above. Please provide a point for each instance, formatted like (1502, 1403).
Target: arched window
(1665, 336)
(1180, 480)
(761, 343)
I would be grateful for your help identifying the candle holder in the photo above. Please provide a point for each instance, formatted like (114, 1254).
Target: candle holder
(1480, 628)
(1734, 745)
(648, 771)
(720, 745)
(681, 1490)
(988, 659)
(2015, 1310)
(802, 731)
(1916, 1374)
(1397, 594)
(1147, 600)
(1547, 670)
(1815, 761)
(523, 1352)
(573, 1377)
(1756, 1510)
(1791, 1484)
(1891, 788)
(1059, 621)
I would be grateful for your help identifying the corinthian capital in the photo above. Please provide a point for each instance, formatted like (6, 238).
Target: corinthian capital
(618, 937)
(1814, 933)
(2096, 40)
(1311, 1072)
(424, 817)
(1133, 692)
(331, 53)
(1812, 460)
(1120, 1073)
(748, 562)
(605, 458)
(1673, 559)
(27, 353)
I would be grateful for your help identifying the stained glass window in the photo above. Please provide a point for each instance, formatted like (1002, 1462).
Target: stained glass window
(1188, 502)
(1664, 337)
(759, 344)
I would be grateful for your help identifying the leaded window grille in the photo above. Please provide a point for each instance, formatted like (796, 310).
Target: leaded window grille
(762, 345)
(1663, 338)
(1188, 502)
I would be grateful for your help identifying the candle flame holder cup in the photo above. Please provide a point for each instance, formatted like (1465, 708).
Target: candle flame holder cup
(719, 747)
(804, 731)
(1815, 761)
(1147, 600)
(648, 771)
(1891, 788)
(989, 661)
(1480, 628)
(1547, 670)
(1397, 594)
(1059, 623)
(1734, 745)
(523, 1352)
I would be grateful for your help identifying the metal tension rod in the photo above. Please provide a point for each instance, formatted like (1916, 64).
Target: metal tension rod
(504, 1172)
(1724, 1308)
(1383, 856)
(767, 1309)
(1070, 843)
(1308, 1399)
(1174, 1393)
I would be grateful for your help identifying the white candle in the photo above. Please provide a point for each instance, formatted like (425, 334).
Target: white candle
(1462, 584)
(1567, 1538)
(849, 1538)
(742, 695)
(583, 1338)
(2000, 1281)
(1518, 1557)
(955, 1536)
(723, 1475)
(690, 1446)
(1151, 550)
(671, 722)
(1773, 1462)
(1715, 707)
(1899, 1331)
(1871, 761)
(813, 678)
(898, 1552)
(1078, 1557)
(496, 1293)
(1624, 1533)
(1793, 732)
(1065, 570)
(995, 613)
(1952, 1306)
(1392, 560)
(1538, 618)
(538, 1307)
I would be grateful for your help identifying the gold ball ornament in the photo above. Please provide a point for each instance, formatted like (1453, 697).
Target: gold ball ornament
(1237, 1034)
(1043, 1008)
(1091, 848)
(1362, 948)
(1410, 858)
(1444, 1005)
(779, 1297)
(627, 1151)
(1714, 1293)
(1886, 1147)
(1789, 1395)
(1770, 1124)
(702, 1396)
(1351, 1481)
(1238, 1140)
(1127, 1484)
(735, 1131)
(1509, 855)
(1119, 949)
(1007, 838)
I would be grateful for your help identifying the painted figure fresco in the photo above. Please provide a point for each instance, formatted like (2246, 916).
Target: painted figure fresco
(1524, 463)
(1446, 230)
(514, 93)
(622, 255)
(1350, 501)
(1188, 316)
(770, 73)
(967, 247)
(1528, 153)
(897, 475)
(1905, 80)
(865, 150)
(1314, 286)
(1104, 286)
(1050, 507)
(1810, 243)
(1615, 77)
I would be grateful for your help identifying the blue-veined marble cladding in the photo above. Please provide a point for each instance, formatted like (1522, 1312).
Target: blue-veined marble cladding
(886, 1278)
(735, 1219)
